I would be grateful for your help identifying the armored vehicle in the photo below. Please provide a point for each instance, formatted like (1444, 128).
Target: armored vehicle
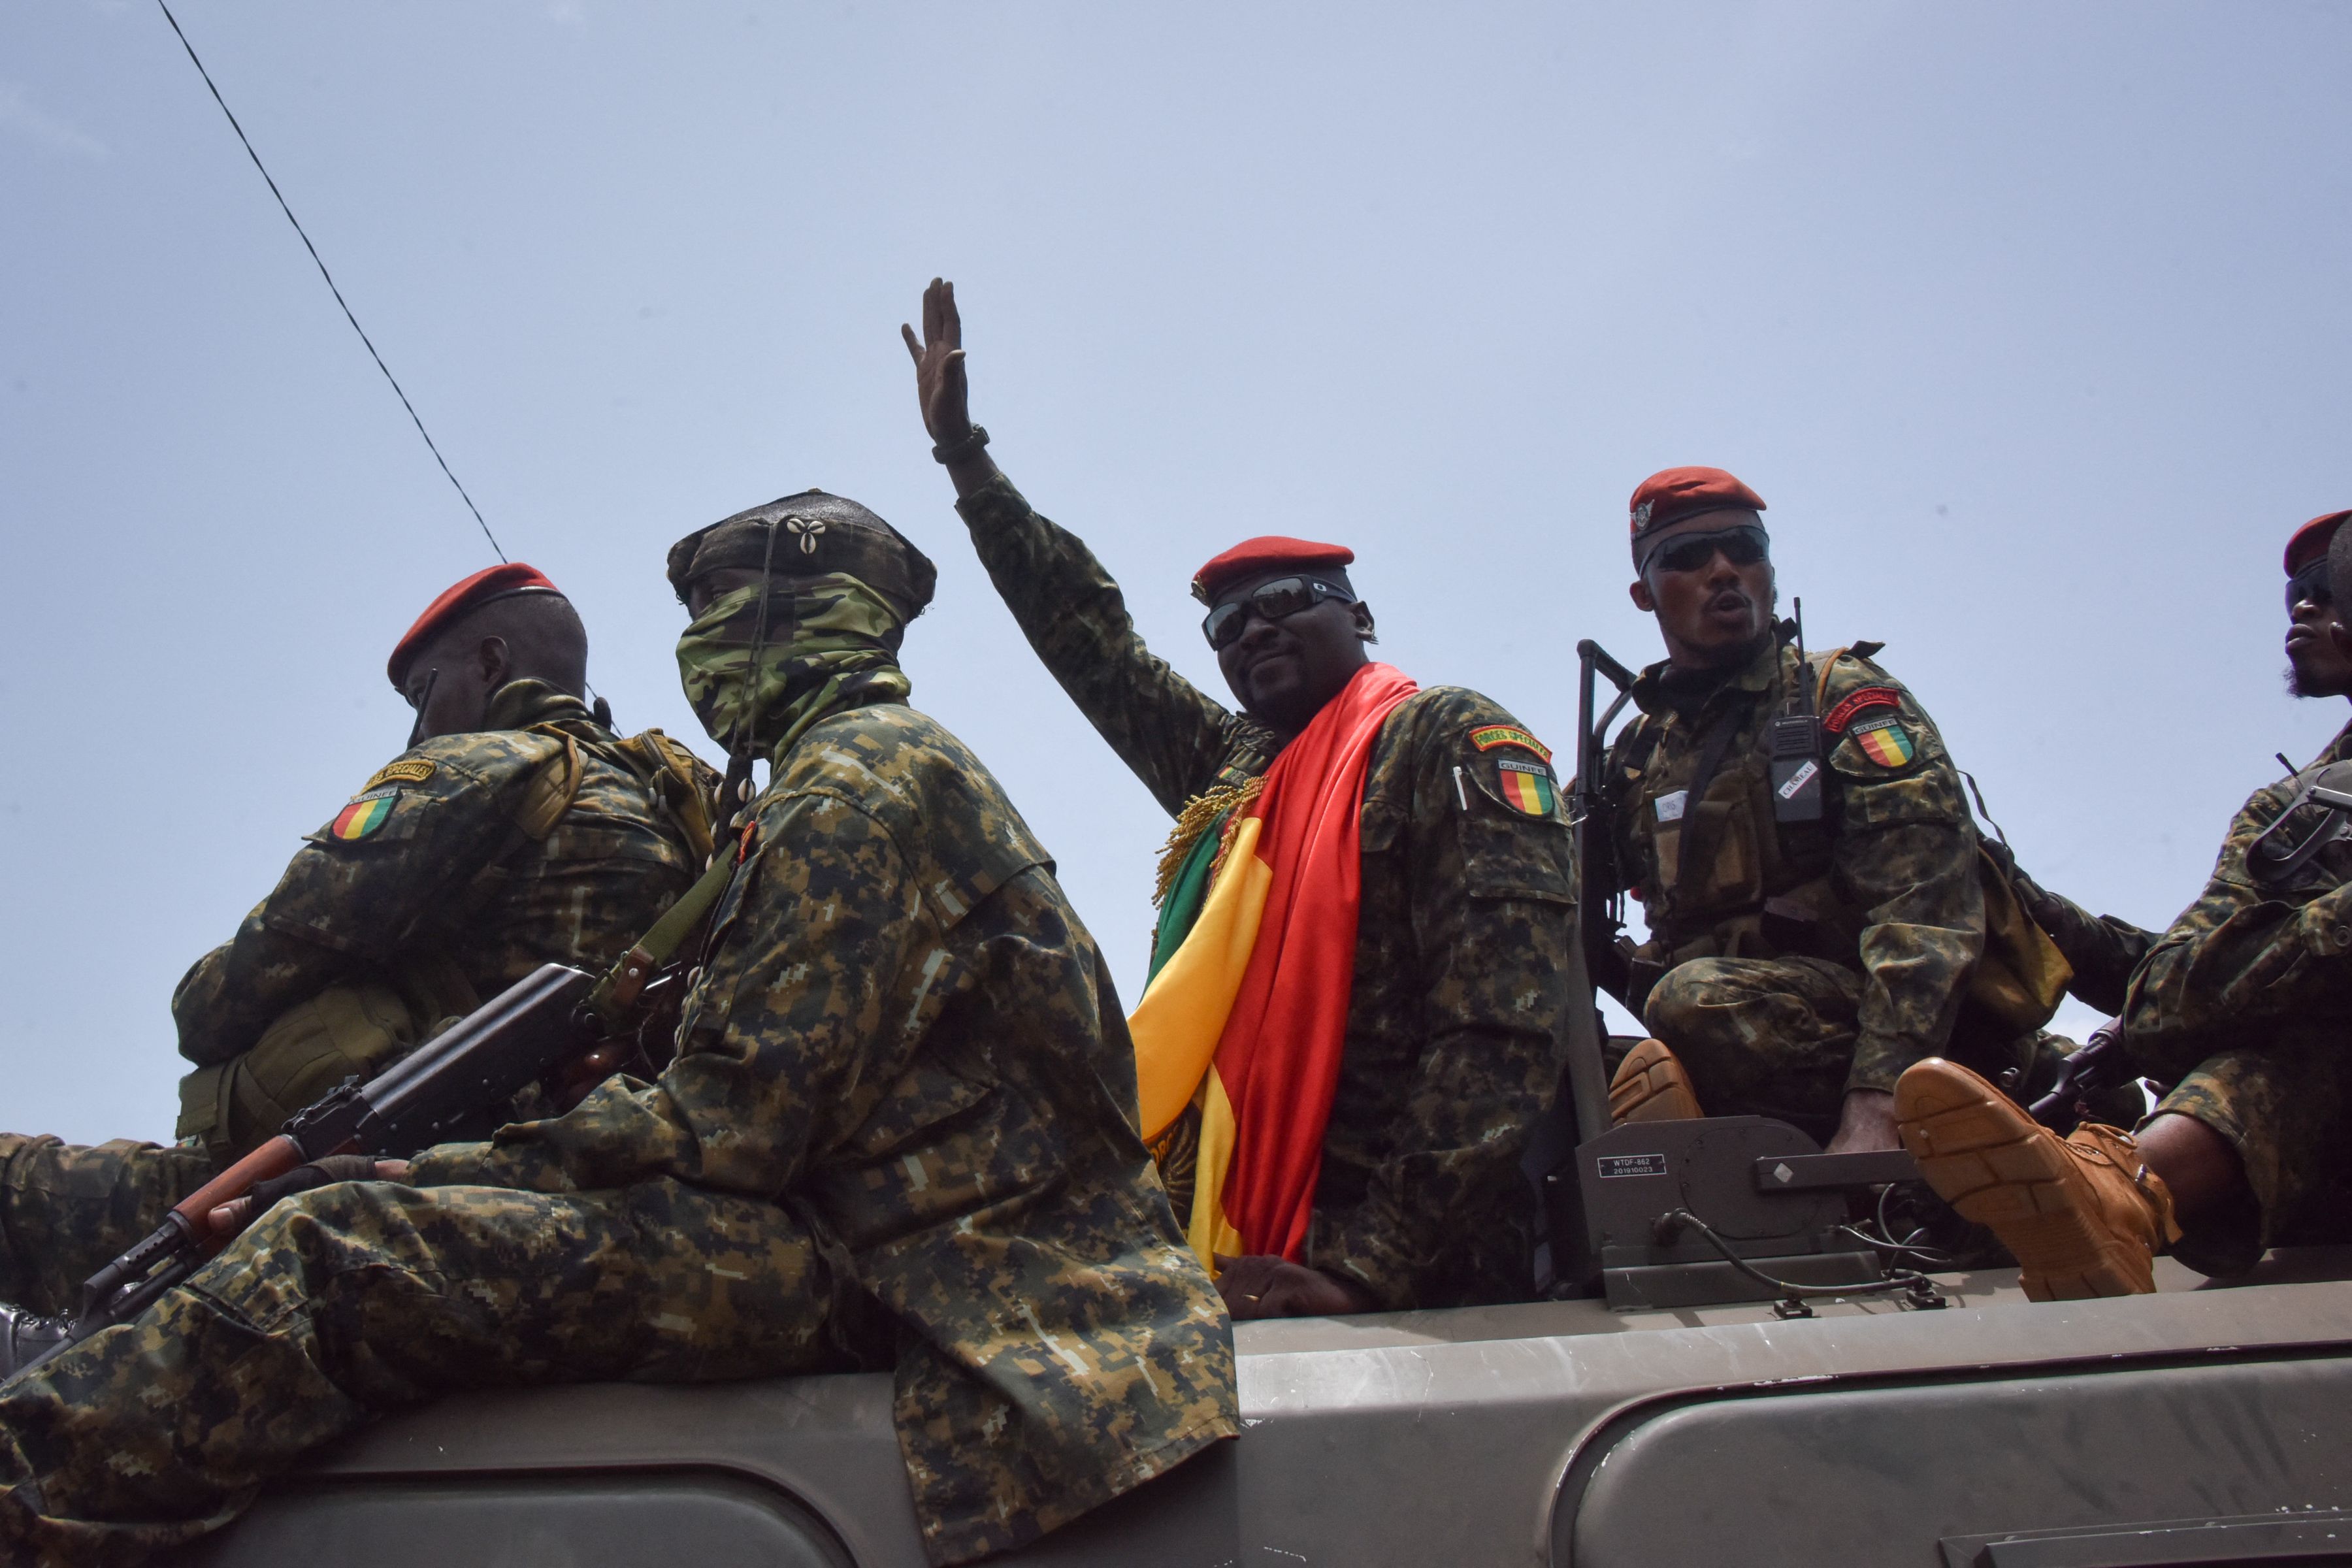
(2200, 1425)
(1751, 1357)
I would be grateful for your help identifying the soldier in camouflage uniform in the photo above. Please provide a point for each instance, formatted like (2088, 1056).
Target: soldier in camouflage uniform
(1793, 968)
(1456, 1025)
(516, 830)
(899, 1131)
(2242, 1007)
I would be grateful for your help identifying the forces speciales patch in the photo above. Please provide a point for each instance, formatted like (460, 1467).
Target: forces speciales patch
(408, 770)
(1526, 787)
(1838, 718)
(366, 814)
(1885, 742)
(1486, 737)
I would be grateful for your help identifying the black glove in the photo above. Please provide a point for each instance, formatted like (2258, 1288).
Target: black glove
(317, 1174)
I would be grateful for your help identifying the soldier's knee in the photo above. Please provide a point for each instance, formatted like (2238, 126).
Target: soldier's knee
(1680, 1002)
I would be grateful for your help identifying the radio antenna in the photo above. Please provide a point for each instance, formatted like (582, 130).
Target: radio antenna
(329, 277)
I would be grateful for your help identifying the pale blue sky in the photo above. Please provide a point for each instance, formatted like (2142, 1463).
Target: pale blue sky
(2029, 321)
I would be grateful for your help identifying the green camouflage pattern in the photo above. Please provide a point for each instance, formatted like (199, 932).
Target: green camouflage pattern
(449, 902)
(1776, 1036)
(1457, 1025)
(450, 879)
(899, 1129)
(67, 1211)
(819, 633)
(2283, 1109)
(2102, 949)
(2243, 1005)
(1884, 889)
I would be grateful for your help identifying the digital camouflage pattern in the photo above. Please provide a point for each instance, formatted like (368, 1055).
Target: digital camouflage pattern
(447, 901)
(900, 1128)
(450, 880)
(2245, 1004)
(1455, 1032)
(67, 1211)
(1836, 954)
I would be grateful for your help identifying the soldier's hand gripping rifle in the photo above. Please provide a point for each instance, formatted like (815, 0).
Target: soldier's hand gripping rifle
(531, 1031)
(2099, 1065)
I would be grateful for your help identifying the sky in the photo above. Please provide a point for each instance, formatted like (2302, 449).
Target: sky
(2028, 321)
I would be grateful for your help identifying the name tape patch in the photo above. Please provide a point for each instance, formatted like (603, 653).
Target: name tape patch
(408, 770)
(1489, 736)
(1611, 1166)
(1838, 718)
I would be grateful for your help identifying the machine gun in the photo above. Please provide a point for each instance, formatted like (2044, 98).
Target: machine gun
(523, 1034)
(2098, 1064)
(1601, 914)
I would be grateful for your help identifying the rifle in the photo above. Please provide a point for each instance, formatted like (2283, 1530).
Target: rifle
(2098, 1064)
(517, 1037)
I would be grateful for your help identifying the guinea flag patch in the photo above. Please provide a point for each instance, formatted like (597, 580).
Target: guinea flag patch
(364, 816)
(1885, 742)
(1526, 787)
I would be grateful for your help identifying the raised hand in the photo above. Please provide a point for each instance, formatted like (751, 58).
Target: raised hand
(939, 367)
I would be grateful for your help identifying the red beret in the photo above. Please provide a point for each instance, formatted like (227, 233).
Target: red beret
(1672, 494)
(502, 581)
(1267, 552)
(2312, 540)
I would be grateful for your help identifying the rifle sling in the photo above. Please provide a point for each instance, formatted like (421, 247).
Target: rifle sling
(616, 992)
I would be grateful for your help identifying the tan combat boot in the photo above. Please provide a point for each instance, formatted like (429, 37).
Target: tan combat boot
(1651, 1086)
(2083, 1214)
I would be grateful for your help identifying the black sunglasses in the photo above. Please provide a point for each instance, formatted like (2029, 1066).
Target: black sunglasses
(1742, 546)
(2310, 585)
(1275, 601)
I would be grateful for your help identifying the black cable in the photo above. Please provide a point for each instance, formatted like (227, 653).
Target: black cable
(1897, 1279)
(329, 277)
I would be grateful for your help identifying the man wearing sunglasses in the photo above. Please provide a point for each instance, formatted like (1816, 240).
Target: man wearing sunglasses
(516, 830)
(1339, 1087)
(1804, 948)
(2242, 1007)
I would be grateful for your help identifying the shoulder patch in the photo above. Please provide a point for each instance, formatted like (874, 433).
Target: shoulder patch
(408, 770)
(1885, 742)
(1836, 720)
(1526, 787)
(371, 810)
(1486, 737)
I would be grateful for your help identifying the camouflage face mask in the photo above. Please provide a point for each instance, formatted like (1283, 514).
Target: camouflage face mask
(828, 641)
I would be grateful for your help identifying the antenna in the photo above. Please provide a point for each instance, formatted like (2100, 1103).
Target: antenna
(329, 277)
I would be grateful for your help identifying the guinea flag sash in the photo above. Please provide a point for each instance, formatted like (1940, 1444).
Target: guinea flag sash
(1248, 1016)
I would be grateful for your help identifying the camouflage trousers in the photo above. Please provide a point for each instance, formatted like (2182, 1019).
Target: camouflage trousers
(345, 1303)
(2284, 1111)
(67, 1211)
(1776, 1036)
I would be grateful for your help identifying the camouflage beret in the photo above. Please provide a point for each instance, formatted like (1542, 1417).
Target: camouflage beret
(816, 534)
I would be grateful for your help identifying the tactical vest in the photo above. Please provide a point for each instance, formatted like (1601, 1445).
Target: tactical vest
(1731, 882)
(1736, 883)
(359, 1029)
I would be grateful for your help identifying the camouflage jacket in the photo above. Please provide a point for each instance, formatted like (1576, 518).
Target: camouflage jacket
(903, 1037)
(1456, 1025)
(1885, 883)
(427, 881)
(2245, 964)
